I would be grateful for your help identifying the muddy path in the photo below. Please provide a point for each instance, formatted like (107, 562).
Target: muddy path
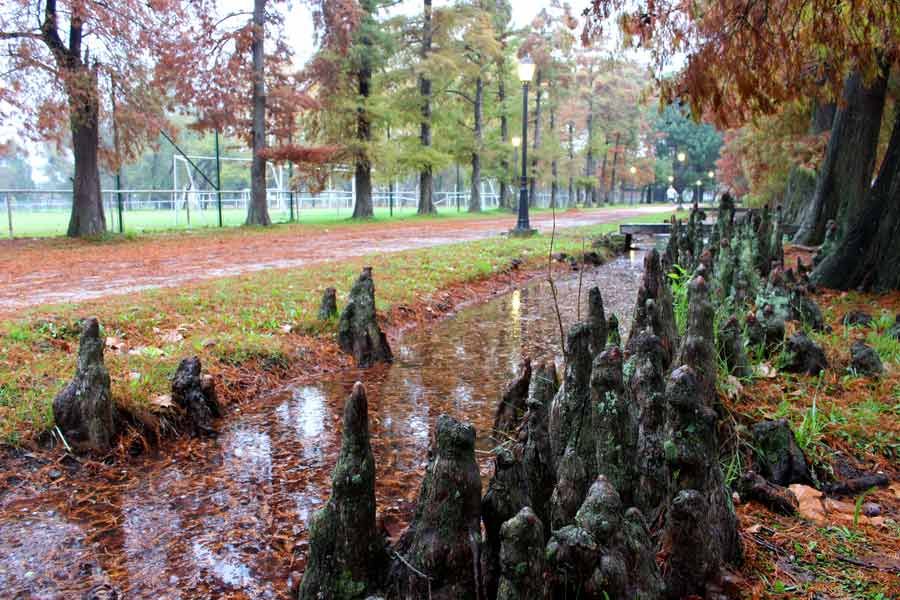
(41, 271)
(227, 517)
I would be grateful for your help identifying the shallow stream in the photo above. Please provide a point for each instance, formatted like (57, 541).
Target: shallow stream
(227, 517)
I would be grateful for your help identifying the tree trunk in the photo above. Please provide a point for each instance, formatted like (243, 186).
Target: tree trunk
(84, 121)
(504, 201)
(572, 200)
(801, 183)
(845, 176)
(475, 195)
(589, 169)
(87, 217)
(258, 210)
(426, 177)
(554, 166)
(532, 179)
(362, 208)
(612, 185)
(868, 256)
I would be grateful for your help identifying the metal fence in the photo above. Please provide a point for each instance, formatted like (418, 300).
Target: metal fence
(46, 212)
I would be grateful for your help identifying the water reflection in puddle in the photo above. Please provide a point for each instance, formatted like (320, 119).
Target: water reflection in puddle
(227, 518)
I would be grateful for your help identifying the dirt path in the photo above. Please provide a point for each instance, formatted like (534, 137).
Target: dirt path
(35, 272)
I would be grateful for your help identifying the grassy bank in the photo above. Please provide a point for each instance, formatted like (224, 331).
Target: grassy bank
(142, 223)
(258, 323)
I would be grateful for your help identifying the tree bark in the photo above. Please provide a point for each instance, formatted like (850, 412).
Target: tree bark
(800, 187)
(572, 200)
(869, 255)
(426, 177)
(258, 210)
(475, 195)
(536, 143)
(554, 166)
(612, 185)
(589, 160)
(844, 178)
(504, 137)
(87, 216)
(362, 208)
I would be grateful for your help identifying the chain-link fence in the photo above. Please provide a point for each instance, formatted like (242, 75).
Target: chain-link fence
(33, 213)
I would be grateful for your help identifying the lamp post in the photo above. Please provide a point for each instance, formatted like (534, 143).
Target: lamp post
(699, 191)
(516, 141)
(633, 171)
(712, 178)
(523, 227)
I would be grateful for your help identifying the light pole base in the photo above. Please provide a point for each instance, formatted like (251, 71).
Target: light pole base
(522, 233)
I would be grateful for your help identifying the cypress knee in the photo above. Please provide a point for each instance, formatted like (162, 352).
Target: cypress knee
(84, 410)
(347, 553)
(358, 330)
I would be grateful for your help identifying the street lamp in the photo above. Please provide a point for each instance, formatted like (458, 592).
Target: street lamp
(682, 157)
(523, 227)
(516, 141)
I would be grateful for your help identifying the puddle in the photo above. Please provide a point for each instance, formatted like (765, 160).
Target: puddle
(227, 518)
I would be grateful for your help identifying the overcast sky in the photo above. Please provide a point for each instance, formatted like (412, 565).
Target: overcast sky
(302, 36)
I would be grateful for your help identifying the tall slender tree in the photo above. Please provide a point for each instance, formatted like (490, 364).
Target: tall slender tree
(426, 177)
(258, 209)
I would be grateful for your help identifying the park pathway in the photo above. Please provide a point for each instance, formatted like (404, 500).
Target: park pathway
(41, 271)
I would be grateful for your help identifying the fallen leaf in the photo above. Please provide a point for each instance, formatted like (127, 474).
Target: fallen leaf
(162, 401)
(766, 371)
(172, 337)
(115, 344)
(810, 500)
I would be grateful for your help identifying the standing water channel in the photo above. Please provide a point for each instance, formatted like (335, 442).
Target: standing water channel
(227, 517)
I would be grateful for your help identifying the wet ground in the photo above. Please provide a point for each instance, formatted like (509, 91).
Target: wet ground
(41, 271)
(227, 518)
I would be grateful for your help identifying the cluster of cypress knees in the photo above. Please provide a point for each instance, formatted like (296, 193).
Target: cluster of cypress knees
(607, 484)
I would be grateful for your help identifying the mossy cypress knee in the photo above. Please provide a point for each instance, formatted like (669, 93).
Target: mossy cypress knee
(84, 410)
(358, 330)
(347, 553)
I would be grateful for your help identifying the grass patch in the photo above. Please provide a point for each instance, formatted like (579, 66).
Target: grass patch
(255, 319)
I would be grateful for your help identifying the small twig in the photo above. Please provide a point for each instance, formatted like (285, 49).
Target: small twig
(867, 565)
(580, 277)
(63, 438)
(412, 568)
(562, 336)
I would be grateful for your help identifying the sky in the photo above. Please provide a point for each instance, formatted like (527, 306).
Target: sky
(301, 38)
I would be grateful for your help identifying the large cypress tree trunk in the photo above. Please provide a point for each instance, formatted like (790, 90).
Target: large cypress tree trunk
(426, 177)
(868, 256)
(87, 216)
(536, 143)
(845, 175)
(362, 208)
(258, 210)
(84, 121)
(475, 194)
(801, 183)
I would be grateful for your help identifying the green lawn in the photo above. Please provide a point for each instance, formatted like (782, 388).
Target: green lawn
(55, 223)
